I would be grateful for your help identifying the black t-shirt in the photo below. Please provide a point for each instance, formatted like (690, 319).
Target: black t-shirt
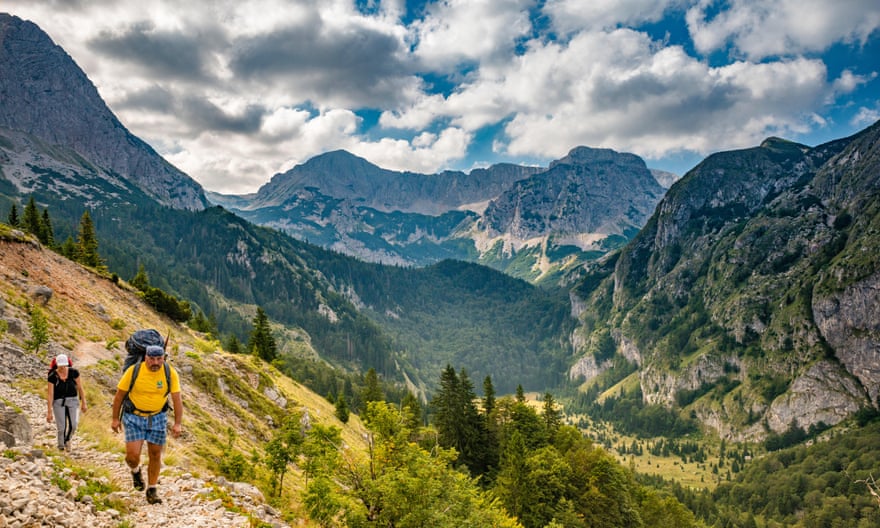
(64, 388)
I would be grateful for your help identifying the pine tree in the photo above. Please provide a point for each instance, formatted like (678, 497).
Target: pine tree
(141, 281)
(341, 409)
(13, 218)
(31, 221)
(46, 235)
(68, 248)
(261, 343)
(233, 345)
(513, 483)
(488, 397)
(372, 389)
(552, 416)
(87, 243)
(489, 416)
(459, 424)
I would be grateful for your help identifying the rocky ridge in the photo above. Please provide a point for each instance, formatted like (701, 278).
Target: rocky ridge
(750, 297)
(53, 99)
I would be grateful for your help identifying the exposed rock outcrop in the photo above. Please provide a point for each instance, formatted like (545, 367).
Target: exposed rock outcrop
(758, 275)
(56, 102)
(850, 323)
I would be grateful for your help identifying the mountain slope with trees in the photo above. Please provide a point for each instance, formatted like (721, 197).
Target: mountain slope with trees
(751, 290)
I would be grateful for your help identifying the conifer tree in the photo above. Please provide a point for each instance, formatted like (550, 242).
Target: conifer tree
(46, 235)
(552, 416)
(233, 345)
(341, 409)
(261, 343)
(200, 323)
(458, 422)
(68, 248)
(372, 388)
(141, 281)
(13, 218)
(512, 485)
(87, 243)
(31, 221)
(488, 397)
(489, 416)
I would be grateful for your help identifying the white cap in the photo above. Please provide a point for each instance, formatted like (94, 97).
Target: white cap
(62, 361)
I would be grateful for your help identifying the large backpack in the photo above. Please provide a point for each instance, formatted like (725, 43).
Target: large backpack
(137, 344)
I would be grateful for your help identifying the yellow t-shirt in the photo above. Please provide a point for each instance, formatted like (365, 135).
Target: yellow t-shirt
(148, 392)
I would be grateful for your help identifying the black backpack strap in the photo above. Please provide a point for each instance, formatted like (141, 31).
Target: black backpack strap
(134, 374)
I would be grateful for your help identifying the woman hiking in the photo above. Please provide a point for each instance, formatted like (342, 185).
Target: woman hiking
(66, 398)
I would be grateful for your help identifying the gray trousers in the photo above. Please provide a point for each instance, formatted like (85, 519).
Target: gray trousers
(66, 411)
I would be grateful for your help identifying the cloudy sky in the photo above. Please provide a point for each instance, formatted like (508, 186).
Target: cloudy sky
(234, 91)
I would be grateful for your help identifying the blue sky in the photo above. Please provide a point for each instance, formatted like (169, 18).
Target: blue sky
(235, 91)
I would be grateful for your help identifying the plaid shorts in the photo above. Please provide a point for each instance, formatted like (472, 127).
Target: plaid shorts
(153, 429)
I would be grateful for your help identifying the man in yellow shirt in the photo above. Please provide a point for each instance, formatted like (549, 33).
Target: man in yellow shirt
(144, 416)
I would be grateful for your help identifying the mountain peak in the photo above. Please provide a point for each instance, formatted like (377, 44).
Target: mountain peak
(778, 144)
(341, 161)
(591, 156)
(46, 95)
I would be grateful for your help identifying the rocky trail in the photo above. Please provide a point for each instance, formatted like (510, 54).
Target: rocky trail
(41, 486)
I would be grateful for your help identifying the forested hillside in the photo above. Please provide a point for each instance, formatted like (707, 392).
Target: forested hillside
(748, 301)
(470, 316)
(247, 422)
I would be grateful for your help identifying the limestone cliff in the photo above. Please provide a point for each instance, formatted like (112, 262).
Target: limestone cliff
(44, 94)
(751, 296)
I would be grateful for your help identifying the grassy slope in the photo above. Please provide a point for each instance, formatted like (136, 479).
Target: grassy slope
(91, 316)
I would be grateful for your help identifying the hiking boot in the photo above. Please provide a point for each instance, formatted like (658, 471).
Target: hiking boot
(153, 497)
(137, 480)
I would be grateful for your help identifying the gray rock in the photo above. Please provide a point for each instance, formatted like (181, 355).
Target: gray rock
(55, 102)
(42, 294)
(15, 430)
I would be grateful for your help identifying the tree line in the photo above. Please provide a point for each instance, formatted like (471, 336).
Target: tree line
(544, 472)
(489, 461)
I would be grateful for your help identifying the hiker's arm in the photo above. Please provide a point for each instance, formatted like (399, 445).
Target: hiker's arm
(81, 393)
(50, 397)
(178, 414)
(117, 406)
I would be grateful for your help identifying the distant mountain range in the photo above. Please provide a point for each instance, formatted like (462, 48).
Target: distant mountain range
(745, 297)
(527, 221)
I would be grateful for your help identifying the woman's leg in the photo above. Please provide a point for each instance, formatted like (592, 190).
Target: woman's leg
(72, 405)
(60, 420)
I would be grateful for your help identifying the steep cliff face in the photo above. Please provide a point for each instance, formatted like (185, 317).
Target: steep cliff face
(751, 296)
(588, 191)
(44, 94)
